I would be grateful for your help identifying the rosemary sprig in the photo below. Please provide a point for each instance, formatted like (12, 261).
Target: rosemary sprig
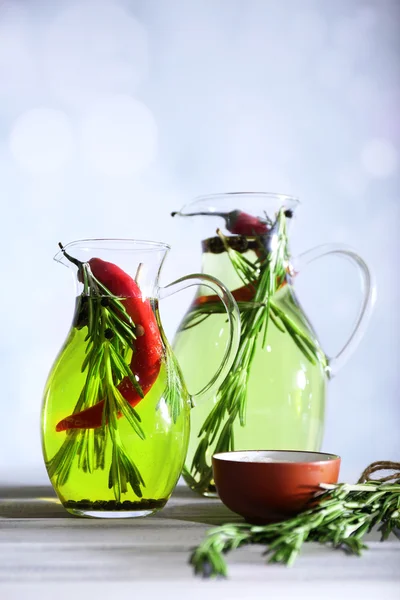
(343, 516)
(280, 319)
(174, 390)
(264, 277)
(110, 343)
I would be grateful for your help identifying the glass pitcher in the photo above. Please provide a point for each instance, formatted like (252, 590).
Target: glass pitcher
(274, 394)
(115, 420)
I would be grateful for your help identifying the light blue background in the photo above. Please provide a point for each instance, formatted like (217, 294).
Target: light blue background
(113, 113)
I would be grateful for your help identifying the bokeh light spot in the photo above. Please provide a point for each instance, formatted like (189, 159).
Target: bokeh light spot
(94, 48)
(352, 181)
(379, 158)
(41, 140)
(119, 136)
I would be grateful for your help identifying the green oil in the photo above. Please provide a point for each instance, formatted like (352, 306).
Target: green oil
(285, 392)
(158, 457)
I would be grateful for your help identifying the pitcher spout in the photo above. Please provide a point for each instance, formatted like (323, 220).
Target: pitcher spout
(63, 257)
(138, 258)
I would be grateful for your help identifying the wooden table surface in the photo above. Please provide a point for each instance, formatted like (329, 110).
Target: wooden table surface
(45, 553)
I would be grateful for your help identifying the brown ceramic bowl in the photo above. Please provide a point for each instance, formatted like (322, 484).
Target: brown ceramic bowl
(271, 485)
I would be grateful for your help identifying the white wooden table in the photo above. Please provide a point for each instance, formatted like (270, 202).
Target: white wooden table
(45, 553)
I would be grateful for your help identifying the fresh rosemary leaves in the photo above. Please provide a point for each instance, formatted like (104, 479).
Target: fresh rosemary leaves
(343, 516)
(110, 343)
(267, 274)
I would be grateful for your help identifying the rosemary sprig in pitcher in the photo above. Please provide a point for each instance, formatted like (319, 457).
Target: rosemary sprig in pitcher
(110, 342)
(262, 279)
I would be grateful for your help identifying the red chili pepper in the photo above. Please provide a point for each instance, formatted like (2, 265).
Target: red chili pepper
(242, 294)
(241, 223)
(236, 221)
(146, 360)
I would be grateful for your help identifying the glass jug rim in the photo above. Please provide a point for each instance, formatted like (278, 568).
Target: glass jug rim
(117, 244)
(285, 199)
(270, 195)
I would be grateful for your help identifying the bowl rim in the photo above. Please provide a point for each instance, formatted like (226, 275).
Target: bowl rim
(326, 457)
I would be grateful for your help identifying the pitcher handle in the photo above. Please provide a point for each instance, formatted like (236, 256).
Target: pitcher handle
(368, 300)
(233, 318)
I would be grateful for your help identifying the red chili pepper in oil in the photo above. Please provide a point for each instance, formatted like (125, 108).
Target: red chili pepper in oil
(241, 223)
(146, 360)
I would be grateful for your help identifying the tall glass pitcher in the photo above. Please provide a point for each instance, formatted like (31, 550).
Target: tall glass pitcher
(274, 395)
(115, 421)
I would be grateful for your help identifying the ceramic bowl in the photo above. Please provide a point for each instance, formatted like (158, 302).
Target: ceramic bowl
(266, 486)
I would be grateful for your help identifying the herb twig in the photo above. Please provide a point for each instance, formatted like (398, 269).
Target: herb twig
(263, 277)
(109, 346)
(343, 516)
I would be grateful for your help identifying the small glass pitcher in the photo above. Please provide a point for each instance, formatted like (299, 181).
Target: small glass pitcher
(274, 395)
(115, 419)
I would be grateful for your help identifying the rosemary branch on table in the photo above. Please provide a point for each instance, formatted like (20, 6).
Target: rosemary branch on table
(264, 276)
(109, 345)
(343, 516)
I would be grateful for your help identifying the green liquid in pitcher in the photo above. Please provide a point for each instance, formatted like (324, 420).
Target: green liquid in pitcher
(82, 483)
(284, 406)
